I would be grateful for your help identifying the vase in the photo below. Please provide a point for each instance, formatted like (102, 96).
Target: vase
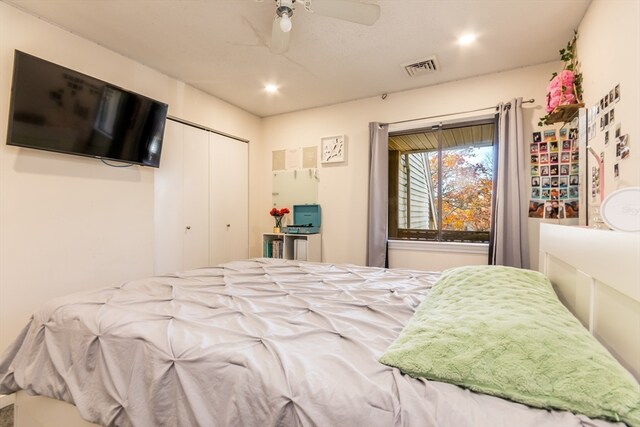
(278, 226)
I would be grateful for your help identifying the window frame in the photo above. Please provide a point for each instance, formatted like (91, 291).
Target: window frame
(438, 235)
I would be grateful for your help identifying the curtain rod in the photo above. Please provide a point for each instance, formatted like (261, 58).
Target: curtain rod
(529, 101)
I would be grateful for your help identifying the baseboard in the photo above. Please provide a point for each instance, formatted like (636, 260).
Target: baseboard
(7, 399)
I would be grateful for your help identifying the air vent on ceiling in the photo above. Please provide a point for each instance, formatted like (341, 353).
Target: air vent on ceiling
(421, 67)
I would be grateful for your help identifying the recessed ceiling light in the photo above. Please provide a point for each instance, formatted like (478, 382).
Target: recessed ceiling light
(467, 39)
(271, 88)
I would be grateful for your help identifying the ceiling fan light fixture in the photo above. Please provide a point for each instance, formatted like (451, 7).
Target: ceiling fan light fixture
(285, 22)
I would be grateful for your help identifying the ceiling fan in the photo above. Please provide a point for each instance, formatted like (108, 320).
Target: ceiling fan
(346, 10)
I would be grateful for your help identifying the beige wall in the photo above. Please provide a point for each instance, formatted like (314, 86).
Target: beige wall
(609, 51)
(70, 223)
(343, 188)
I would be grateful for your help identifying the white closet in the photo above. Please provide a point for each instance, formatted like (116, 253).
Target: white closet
(201, 199)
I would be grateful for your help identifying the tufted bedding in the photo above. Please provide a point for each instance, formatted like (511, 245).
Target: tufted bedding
(249, 343)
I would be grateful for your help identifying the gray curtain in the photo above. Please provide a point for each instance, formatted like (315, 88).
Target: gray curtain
(378, 195)
(509, 242)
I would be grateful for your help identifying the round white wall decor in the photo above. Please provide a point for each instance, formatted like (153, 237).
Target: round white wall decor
(621, 209)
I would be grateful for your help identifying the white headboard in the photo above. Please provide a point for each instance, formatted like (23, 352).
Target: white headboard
(596, 274)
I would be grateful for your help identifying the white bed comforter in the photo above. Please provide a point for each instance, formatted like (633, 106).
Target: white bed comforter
(251, 343)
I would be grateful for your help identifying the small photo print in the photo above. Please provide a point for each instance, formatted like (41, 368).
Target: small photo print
(606, 119)
(564, 169)
(534, 148)
(544, 170)
(554, 181)
(536, 209)
(602, 104)
(612, 116)
(566, 145)
(574, 168)
(573, 133)
(565, 157)
(562, 133)
(574, 143)
(546, 194)
(571, 208)
(553, 158)
(606, 137)
(537, 137)
(606, 101)
(552, 210)
(617, 134)
(553, 146)
(616, 93)
(616, 171)
(535, 193)
(544, 158)
(602, 121)
(623, 147)
(543, 147)
(535, 181)
(550, 135)
(563, 182)
(546, 182)
(564, 193)
(574, 179)
(573, 192)
(611, 96)
(575, 156)
(535, 170)
(535, 159)
(553, 169)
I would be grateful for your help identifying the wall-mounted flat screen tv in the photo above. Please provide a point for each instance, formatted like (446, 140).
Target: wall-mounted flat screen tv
(57, 109)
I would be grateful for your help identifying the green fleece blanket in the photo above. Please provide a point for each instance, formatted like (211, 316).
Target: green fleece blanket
(503, 331)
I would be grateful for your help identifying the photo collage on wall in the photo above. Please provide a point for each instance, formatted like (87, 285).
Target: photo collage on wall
(612, 128)
(554, 174)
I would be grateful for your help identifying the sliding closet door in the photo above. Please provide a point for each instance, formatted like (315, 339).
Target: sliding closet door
(229, 196)
(196, 198)
(182, 200)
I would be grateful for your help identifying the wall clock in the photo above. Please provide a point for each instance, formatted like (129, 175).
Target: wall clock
(333, 149)
(621, 209)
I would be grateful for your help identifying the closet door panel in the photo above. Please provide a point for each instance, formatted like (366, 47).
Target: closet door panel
(168, 187)
(229, 199)
(195, 198)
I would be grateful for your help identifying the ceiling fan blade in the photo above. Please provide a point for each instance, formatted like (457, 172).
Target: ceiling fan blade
(279, 39)
(347, 10)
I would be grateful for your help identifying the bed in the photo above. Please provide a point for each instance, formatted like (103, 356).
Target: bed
(273, 342)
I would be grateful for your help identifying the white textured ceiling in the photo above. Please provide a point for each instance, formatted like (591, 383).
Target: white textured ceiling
(221, 46)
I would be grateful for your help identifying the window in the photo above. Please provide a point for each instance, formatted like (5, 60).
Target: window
(441, 182)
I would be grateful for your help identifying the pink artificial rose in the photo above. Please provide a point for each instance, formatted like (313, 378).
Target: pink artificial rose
(556, 91)
(568, 99)
(566, 77)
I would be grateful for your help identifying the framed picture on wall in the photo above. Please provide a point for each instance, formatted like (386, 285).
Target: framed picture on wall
(333, 149)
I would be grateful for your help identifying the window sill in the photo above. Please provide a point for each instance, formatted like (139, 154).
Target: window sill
(426, 246)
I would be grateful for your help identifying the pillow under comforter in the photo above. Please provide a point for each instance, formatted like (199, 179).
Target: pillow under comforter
(503, 331)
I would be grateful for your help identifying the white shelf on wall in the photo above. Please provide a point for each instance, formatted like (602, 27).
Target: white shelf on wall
(301, 247)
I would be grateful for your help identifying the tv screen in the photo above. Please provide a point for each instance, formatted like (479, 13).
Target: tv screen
(57, 109)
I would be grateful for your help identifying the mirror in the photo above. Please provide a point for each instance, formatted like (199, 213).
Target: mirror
(294, 187)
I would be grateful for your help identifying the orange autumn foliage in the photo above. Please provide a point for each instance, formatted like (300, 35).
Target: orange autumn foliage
(466, 191)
